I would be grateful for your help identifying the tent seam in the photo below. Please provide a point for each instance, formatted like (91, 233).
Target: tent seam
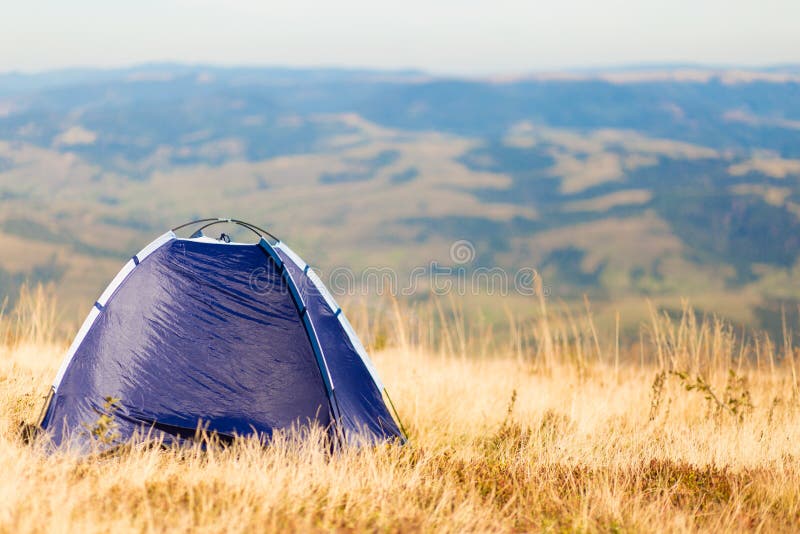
(308, 326)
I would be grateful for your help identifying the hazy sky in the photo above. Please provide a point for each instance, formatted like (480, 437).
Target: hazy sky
(452, 36)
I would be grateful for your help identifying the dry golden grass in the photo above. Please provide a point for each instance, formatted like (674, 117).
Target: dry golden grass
(543, 427)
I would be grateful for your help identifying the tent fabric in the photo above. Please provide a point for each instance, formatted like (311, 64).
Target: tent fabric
(112, 287)
(358, 397)
(228, 337)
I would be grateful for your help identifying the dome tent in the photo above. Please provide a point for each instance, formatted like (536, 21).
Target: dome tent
(235, 338)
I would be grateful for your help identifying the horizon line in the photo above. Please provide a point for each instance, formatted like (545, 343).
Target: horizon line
(628, 67)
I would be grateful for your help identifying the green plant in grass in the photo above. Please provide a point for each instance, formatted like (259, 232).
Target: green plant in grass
(105, 429)
(736, 400)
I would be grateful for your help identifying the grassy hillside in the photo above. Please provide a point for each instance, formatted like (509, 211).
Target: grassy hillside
(549, 429)
(657, 183)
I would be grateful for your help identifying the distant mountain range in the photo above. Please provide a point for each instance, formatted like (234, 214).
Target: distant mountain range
(665, 181)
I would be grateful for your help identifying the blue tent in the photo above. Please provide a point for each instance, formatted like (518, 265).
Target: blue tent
(236, 338)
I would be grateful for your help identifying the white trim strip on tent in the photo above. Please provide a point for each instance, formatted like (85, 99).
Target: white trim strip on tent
(317, 281)
(115, 283)
(155, 245)
(126, 270)
(73, 348)
(348, 328)
(361, 351)
(291, 253)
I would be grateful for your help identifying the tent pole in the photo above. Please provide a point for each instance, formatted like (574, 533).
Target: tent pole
(402, 428)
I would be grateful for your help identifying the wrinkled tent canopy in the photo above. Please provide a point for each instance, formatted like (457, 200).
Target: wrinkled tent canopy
(236, 338)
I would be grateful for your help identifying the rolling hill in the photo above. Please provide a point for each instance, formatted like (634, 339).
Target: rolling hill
(661, 182)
